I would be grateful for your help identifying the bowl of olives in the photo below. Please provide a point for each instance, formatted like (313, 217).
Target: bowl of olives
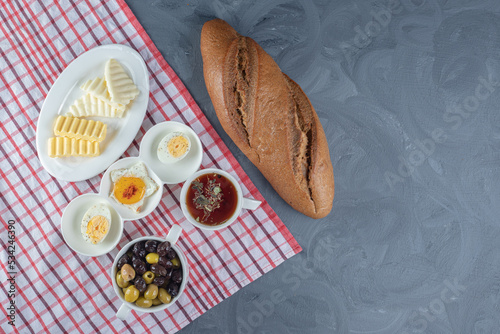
(149, 273)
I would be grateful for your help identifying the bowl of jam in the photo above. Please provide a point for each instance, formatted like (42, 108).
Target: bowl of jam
(212, 199)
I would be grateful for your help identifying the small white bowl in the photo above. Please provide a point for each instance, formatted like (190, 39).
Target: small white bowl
(71, 222)
(126, 307)
(243, 203)
(178, 171)
(150, 203)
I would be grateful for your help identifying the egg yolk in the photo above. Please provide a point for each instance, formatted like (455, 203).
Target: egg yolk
(177, 146)
(129, 190)
(97, 228)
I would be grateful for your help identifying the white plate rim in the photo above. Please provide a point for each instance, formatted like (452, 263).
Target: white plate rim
(54, 100)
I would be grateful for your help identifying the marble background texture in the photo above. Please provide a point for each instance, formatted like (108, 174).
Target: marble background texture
(408, 93)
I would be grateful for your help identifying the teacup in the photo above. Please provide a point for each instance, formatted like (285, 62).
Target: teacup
(126, 307)
(240, 201)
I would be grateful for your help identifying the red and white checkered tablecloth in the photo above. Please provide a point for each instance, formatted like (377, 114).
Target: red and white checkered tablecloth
(57, 290)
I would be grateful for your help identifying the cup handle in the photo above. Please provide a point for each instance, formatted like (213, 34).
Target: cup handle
(250, 204)
(122, 312)
(174, 234)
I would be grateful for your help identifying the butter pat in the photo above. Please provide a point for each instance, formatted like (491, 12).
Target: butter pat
(70, 147)
(77, 128)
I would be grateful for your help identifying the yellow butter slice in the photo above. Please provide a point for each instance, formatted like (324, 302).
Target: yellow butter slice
(121, 88)
(70, 147)
(77, 128)
(89, 105)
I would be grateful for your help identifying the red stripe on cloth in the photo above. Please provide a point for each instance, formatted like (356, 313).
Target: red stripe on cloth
(20, 154)
(29, 21)
(56, 52)
(56, 27)
(70, 24)
(35, 175)
(49, 286)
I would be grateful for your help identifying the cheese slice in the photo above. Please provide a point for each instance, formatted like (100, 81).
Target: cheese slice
(97, 87)
(89, 105)
(121, 88)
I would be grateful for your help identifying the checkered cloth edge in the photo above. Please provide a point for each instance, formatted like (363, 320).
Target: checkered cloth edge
(59, 291)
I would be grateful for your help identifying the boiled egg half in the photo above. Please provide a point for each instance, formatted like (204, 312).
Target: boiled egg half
(173, 147)
(132, 185)
(95, 223)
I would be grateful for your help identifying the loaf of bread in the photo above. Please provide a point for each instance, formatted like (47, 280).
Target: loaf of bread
(269, 118)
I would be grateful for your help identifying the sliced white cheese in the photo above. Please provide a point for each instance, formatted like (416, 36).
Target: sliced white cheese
(89, 105)
(119, 85)
(97, 87)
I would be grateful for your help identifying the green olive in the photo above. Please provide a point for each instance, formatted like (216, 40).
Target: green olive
(151, 292)
(128, 273)
(120, 281)
(164, 296)
(131, 294)
(148, 277)
(152, 258)
(143, 302)
(156, 302)
(124, 290)
(176, 262)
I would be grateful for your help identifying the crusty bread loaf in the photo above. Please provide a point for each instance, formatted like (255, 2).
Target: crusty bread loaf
(269, 118)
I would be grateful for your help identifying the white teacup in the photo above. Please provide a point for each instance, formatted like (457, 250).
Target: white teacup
(243, 202)
(126, 307)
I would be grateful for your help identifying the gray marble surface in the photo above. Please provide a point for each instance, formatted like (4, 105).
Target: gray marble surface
(408, 94)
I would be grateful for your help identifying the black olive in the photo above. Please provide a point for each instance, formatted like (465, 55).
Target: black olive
(169, 274)
(163, 248)
(150, 246)
(123, 260)
(165, 262)
(137, 246)
(140, 284)
(177, 276)
(171, 254)
(159, 281)
(139, 249)
(158, 270)
(173, 289)
(139, 267)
